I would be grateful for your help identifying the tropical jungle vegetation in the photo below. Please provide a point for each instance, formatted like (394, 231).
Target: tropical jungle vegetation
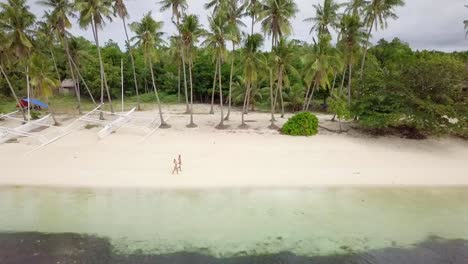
(383, 86)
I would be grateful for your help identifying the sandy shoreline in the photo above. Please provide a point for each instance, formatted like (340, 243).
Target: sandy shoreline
(257, 157)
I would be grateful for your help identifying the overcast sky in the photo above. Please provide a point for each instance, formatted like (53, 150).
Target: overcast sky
(424, 24)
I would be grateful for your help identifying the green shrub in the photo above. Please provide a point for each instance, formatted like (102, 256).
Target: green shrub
(35, 115)
(301, 124)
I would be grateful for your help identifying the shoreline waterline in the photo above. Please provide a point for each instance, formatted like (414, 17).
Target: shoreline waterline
(306, 222)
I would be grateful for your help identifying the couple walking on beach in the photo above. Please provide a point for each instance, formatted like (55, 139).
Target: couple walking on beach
(177, 165)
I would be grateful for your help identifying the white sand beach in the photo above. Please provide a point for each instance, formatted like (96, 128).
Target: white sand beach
(256, 157)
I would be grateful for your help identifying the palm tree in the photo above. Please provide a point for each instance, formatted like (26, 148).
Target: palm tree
(253, 8)
(43, 81)
(121, 11)
(326, 16)
(216, 39)
(147, 36)
(319, 67)
(353, 37)
(59, 21)
(284, 57)
(174, 53)
(377, 12)
(5, 56)
(190, 30)
(178, 8)
(252, 62)
(17, 21)
(234, 13)
(47, 40)
(76, 53)
(94, 13)
(275, 16)
(214, 83)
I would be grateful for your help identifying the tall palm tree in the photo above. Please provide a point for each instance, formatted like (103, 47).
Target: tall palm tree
(377, 12)
(178, 8)
(42, 80)
(252, 63)
(121, 11)
(16, 20)
(326, 16)
(234, 14)
(190, 31)
(253, 8)
(77, 53)
(148, 35)
(174, 53)
(47, 40)
(284, 57)
(93, 13)
(319, 67)
(353, 38)
(59, 21)
(276, 16)
(216, 39)
(5, 56)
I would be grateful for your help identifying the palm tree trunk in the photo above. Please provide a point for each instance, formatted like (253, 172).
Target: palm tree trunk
(275, 100)
(187, 108)
(253, 24)
(84, 82)
(13, 92)
(333, 85)
(163, 123)
(28, 89)
(214, 87)
(280, 88)
(247, 91)
(72, 72)
(272, 125)
(178, 81)
(221, 123)
(247, 105)
(191, 124)
(343, 80)
(130, 51)
(349, 82)
(101, 67)
(230, 83)
(311, 96)
(51, 111)
(306, 99)
(365, 49)
(55, 65)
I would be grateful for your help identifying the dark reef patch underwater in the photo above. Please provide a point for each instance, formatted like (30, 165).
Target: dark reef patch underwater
(70, 248)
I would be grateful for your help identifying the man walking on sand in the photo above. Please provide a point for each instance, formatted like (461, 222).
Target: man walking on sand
(180, 163)
(176, 167)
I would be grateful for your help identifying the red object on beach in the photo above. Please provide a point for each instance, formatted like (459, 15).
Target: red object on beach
(22, 104)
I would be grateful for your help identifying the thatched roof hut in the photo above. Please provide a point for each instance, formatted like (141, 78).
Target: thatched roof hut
(67, 87)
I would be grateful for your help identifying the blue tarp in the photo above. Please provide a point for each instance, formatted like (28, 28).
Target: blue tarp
(35, 102)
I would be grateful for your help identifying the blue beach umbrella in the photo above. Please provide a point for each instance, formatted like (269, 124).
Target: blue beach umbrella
(34, 102)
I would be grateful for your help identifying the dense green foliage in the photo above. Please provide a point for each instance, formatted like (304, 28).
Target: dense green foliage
(423, 90)
(301, 124)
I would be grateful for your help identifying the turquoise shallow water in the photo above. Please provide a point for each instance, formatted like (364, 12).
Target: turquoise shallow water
(229, 222)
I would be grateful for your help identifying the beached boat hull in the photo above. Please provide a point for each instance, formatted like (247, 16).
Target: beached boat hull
(116, 124)
(9, 134)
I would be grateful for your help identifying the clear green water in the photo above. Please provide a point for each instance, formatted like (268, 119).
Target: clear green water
(309, 222)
